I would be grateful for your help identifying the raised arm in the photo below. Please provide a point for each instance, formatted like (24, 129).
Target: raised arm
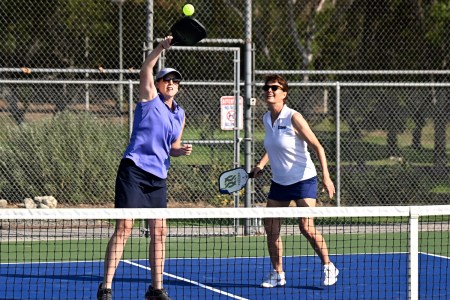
(147, 89)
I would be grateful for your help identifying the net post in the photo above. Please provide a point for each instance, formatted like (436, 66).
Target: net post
(413, 256)
(338, 144)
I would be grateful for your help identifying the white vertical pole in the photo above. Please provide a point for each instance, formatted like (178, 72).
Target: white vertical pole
(338, 144)
(414, 257)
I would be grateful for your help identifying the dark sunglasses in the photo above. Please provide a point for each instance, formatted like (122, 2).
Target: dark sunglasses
(272, 87)
(173, 79)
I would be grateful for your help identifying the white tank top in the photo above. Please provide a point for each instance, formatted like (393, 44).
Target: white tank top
(288, 154)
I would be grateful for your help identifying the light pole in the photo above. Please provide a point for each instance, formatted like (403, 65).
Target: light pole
(120, 3)
(149, 28)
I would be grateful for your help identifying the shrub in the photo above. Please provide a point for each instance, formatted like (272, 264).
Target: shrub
(72, 157)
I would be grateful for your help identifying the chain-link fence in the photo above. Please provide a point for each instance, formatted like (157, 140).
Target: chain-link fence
(386, 143)
(287, 34)
(69, 71)
(65, 137)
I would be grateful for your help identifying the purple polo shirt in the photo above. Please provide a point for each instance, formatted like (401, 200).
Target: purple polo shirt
(155, 128)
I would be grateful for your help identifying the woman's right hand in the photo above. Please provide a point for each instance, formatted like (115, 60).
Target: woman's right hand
(256, 172)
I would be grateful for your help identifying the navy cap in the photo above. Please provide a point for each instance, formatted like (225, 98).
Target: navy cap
(165, 71)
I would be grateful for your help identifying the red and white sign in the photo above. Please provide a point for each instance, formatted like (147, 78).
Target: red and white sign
(228, 112)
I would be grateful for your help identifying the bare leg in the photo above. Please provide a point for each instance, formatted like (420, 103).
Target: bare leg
(114, 250)
(313, 236)
(274, 241)
(157, 249)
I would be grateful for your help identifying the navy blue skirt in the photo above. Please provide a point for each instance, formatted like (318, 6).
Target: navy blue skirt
(136, 188)
(299, 190)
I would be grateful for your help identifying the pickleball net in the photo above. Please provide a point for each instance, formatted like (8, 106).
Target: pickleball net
(221, 253)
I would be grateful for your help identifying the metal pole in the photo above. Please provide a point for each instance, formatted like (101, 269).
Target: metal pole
(120, 58)
(148, 47)
(149, 28)
(86, 56)
(338, 144)
(130, 108)
(120, 87)
(237, 124)
(247, 105)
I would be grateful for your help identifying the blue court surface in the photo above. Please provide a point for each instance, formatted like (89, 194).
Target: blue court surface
(362, 276)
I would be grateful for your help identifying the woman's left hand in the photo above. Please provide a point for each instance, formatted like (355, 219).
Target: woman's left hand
(328, 184)
(187, 149)
(167, 42)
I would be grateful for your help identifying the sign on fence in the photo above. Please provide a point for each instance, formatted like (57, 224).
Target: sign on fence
(228, 112)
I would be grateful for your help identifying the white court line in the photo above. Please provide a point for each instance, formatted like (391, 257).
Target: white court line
(189, 281)
(210, 258)
(434, 255)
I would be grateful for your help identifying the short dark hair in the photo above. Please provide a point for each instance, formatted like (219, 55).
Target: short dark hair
(279, 79)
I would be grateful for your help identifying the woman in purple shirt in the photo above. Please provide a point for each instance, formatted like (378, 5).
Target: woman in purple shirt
(142, 173)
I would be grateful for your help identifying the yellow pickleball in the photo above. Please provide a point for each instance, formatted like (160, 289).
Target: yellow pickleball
(188, 10)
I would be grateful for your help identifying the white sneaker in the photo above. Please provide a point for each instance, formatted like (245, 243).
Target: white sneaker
(274, 279)
(331, 273)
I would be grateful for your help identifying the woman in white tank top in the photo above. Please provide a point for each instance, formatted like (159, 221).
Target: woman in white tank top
(294, 177)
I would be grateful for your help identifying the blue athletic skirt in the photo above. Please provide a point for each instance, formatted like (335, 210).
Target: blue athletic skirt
(299, 190)
(136, 188)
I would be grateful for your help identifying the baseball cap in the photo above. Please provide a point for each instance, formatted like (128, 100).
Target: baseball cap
(165, 71)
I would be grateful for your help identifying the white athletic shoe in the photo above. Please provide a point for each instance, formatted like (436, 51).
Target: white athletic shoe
(331, 273)
(274, 279)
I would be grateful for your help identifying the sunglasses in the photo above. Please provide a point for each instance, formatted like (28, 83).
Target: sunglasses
(173, 79)
(272, 87)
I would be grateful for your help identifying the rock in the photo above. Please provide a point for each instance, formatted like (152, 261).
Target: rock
(3, 203)
(47, 201)
(29, 203)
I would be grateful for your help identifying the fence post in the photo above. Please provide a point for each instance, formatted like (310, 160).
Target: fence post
(338, 144)
(130, 107)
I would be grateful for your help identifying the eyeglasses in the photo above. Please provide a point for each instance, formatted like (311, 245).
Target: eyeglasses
(272, 87)
(173, 79)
